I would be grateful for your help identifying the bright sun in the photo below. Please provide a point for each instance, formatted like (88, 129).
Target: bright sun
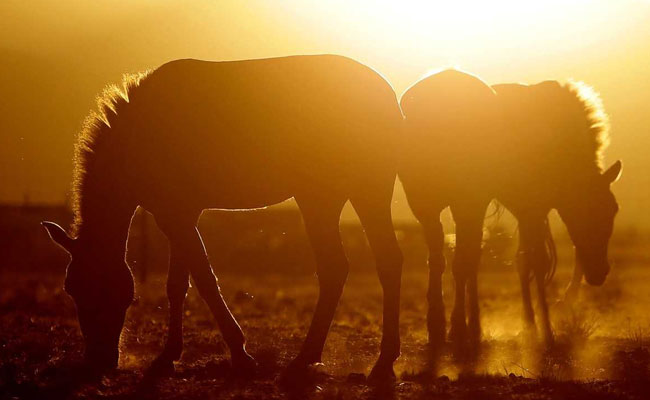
(469, 31)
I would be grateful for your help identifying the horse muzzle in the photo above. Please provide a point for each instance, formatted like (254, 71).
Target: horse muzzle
(595, 266)
(596, 279)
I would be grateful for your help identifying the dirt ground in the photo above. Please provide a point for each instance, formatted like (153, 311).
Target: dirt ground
(602, 349)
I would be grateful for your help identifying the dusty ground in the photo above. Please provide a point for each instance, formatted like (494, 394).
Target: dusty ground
(602, 350)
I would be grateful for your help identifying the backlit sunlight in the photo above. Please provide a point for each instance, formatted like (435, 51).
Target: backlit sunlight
(462, 31)
(319, 199)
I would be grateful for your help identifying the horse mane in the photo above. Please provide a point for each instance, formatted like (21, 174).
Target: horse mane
(96, 130)
(590, 106)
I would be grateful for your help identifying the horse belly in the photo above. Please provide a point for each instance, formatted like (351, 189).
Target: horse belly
(207, 183)
(237, 191)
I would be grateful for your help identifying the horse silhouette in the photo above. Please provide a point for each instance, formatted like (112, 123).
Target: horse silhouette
(194, 135)
(533, 148)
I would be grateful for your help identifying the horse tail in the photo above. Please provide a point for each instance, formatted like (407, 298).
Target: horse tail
(552, 252)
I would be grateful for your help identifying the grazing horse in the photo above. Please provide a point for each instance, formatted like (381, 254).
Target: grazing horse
(533, 148)
(194, 135)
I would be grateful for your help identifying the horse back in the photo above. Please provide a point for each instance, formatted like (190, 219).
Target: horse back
(531, 122)
(449, 136)
(271, 126)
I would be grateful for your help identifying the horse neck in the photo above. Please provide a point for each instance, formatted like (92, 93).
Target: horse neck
(105, 220)
(575, 178)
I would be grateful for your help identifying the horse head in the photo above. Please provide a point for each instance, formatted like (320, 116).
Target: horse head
(101, 285)
(588, 212)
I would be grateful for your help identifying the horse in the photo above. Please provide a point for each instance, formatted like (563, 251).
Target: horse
(233, 135)
(533, 149)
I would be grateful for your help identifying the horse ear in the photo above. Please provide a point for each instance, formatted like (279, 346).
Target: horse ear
(58, 235)
(613, 173)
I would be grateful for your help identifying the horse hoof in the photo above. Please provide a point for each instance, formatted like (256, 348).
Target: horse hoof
(244, 365)
(436, 340)
(382, 374)
(300, 373)
(302, 367)
(161, 367)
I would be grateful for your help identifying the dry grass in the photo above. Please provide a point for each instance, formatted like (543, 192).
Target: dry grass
(575, 327)
(601, 350)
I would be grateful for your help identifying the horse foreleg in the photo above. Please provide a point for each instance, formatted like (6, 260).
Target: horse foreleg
(535, 256)
(473, 316)
(545, 320)
(375, 216)
(321, 220)
(187, 248)
(436, 324)
(469, 233)
(177, 285)
(523, 269)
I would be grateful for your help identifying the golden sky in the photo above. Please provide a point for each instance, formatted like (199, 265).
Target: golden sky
(56, 56)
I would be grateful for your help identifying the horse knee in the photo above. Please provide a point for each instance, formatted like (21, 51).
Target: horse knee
(333, 276)
(389, 266)
(177, 289)
(206, 284)
(464, 267)
(437, 265)
(437, 262)
(534, 259)
(459, 272)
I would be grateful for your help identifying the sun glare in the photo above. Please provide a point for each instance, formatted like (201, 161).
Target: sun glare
(469, 32)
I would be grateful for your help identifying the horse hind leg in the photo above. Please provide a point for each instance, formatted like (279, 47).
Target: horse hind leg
(375, 214)
(523, 270)
(177, 285)
(547, 330)
(186, 248)
(435, 237)
(321, 218)
(536, 258)
(469, 234)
